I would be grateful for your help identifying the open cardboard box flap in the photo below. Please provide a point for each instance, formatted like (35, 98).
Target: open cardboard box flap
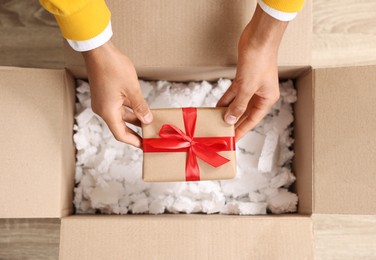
(186, 237)
(192, 40)
(344, 142)
(334, 140)
(37, 155)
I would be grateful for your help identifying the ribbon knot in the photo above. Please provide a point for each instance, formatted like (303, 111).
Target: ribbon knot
(173, 139)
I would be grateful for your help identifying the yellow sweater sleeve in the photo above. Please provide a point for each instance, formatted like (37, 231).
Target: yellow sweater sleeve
(288, 6)
(79, 20)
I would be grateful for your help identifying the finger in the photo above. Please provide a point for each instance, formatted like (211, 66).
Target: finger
(140, 107)
(126, 102)
(238, 106)
(134, 138)
(137, 136)
(242, 118)
(121, 132)
(258, 108)
(130, 117)
(227, 97)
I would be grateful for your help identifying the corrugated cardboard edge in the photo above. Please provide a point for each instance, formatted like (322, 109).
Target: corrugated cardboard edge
(304, 138)
(183, 236)
(345, 140)
(68, 146)
(180, 74)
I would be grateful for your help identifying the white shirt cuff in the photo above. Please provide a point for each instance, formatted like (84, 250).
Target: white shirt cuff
(279, 15)
(94, 42)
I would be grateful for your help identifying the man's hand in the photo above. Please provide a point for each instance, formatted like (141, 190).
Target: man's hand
(255, 87)
(114, 88)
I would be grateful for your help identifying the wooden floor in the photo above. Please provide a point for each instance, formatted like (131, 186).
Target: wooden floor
(25, 239)
(344, 34)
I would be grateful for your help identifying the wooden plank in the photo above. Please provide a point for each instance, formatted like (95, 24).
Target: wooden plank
(344, 237)
(344, 33)
(29, 239)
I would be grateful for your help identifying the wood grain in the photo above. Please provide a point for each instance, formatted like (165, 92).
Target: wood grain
(29, 239)
(344, 33)
(345, 237)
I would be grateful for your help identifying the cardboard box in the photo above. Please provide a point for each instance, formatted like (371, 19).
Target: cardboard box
(334, 141)
(205, 123)
(192, 40)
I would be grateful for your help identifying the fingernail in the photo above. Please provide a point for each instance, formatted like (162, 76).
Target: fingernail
(231, 119)
(148, 118)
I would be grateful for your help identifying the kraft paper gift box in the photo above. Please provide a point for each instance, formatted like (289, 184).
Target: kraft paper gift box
(188, 144)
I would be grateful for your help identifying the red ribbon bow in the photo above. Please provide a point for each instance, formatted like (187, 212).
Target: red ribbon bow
(174, 139)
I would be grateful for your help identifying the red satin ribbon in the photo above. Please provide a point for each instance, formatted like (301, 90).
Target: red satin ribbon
(174, 139)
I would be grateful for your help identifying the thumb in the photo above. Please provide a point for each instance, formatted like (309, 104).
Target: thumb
(140, 107)
(238, 106)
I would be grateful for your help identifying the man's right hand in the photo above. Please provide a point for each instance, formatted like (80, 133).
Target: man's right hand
(114, 87)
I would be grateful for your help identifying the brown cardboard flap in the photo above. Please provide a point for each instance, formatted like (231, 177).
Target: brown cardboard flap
(186, 237)
(181, 74)
(345, 140)
(165, 37)
(303, 145)
(37, 152)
